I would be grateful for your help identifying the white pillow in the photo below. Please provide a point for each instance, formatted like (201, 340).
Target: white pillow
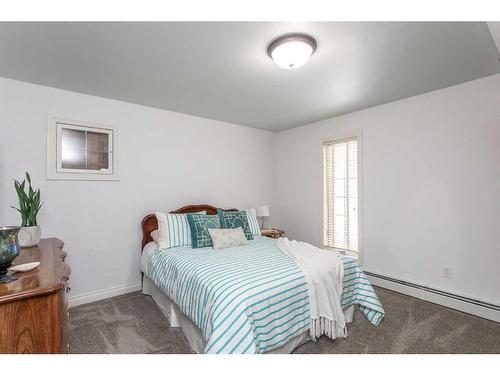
(253, 224)
(155, 235)
(222, 238)
(173, 230)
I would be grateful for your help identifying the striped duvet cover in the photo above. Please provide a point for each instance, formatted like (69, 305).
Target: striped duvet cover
(248, 299)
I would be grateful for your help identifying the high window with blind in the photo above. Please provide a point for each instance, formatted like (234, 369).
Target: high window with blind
(340, 198)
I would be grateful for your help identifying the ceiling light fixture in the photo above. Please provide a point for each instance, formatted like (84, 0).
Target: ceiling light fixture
(291, 51)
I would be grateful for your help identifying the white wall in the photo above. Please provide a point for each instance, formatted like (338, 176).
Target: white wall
(431, 182)
(431, 173)
(167, 160)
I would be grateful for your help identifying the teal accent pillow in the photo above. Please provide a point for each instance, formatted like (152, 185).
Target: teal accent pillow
(235, 219)
(199, 225)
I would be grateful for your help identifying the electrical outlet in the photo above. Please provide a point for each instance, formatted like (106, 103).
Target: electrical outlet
(446, 272)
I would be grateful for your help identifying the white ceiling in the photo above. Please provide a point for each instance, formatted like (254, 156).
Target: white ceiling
(221, 70)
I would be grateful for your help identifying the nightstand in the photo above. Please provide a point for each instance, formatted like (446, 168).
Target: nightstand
(273, 233)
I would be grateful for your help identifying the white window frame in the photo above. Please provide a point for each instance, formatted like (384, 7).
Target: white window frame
(337, 139)
(54, 141)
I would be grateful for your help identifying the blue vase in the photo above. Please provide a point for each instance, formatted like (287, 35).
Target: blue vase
(9, 250)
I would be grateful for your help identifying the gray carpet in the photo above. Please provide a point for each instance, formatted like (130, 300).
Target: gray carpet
(133, 324)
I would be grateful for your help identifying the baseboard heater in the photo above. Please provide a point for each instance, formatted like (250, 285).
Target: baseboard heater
(494, 309)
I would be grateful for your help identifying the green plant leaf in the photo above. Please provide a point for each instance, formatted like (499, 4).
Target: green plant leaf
(29, 202)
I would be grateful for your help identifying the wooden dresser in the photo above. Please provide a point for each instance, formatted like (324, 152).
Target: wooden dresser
(33, 309)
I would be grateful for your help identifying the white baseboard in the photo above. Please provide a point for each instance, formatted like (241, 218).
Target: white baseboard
(103, 293)
(437, 298)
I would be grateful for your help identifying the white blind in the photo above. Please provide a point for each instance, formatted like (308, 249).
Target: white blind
(340, 221)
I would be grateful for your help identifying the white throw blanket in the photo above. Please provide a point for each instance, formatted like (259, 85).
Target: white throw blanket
(324, 272)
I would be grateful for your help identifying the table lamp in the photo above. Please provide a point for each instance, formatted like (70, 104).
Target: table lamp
(262, 211)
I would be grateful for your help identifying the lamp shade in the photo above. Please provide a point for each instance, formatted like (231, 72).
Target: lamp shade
(262, 211)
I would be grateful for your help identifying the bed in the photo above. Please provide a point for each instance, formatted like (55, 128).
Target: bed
(246, 299)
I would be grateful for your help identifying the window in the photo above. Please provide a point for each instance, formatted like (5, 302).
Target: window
(341, 216)
(80, 151)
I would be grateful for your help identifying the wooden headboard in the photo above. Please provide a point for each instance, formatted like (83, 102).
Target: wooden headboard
(149, 222)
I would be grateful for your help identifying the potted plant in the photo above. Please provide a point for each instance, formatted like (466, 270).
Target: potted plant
(29, 205)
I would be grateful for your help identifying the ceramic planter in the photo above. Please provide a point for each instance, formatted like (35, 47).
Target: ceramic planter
(29, 236)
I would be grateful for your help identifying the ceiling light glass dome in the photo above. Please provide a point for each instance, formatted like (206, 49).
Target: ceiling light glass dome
(292, 51)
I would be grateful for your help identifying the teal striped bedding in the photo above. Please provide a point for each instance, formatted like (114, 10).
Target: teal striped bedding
(357, 290)
(247, 299)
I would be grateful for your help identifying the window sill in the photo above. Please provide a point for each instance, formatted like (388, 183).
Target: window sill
(352, 254)
(52, 175)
